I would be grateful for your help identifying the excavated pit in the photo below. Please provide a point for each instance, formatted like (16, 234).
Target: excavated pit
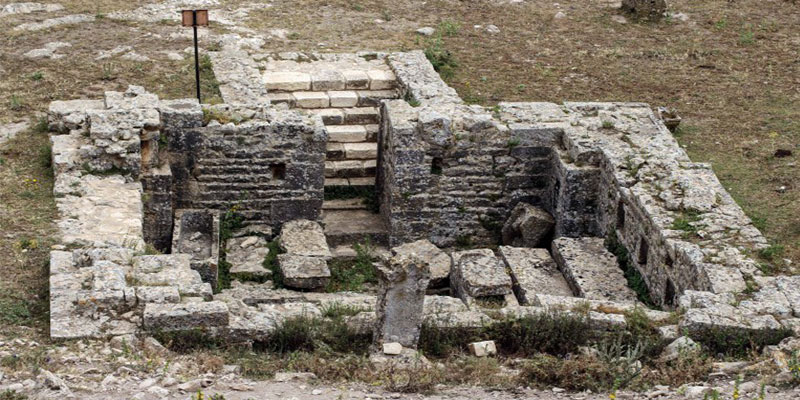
(522, 208)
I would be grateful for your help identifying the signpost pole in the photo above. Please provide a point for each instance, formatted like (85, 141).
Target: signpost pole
(196, 57)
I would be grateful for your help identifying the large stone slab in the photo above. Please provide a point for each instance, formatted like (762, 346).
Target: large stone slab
(303, 272)
(401, 296)
(533, 271)
(478, 273)
(211, 314)
(304, 238)
(246, 255)
(591, 270)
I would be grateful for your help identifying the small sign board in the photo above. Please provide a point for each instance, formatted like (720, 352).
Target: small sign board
(194, 17)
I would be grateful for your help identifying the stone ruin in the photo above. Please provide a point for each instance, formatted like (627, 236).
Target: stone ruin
(511, 209)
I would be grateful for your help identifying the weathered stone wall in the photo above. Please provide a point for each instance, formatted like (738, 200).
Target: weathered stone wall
(270, 168)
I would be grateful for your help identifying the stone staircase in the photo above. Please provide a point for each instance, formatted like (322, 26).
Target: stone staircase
(346, 93)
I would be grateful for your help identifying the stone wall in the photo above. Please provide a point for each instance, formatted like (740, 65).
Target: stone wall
(269, 167)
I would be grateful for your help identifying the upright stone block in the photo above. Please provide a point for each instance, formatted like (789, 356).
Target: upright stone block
(591, 270)
(401, 296)
(303, 272)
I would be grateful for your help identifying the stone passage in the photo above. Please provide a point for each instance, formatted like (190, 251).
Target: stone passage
(345, 90)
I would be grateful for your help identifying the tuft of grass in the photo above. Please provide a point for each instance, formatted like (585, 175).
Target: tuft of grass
(443, 61)
(449, 27)
(686, 222)
(366, 193)
(14, 312)
(632, 275)
(15, 103)
(411, 100)
(271, 263)
(738, 343)
(9, 394)
(608, 124)
(337, 309)
(351, 275)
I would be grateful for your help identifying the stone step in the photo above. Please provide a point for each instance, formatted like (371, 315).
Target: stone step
(348, 252)
(259, 178)
(351, 151)
(344, 204)
(327, 79)
(360, 181)
(351, 116)
(345, 227)
(347, 133)
(350, 168)
(340, 98)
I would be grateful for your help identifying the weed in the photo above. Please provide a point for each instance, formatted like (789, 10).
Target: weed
(14, 312)
(108, 71)
(735, 342)
(449, 27)
(632, 275)
(15, 103)
(308, 334)
(271, 263)
(37, 76)
(442, 59)
(9, 394)
(771, 252)
(686, 222)
(351, 275)
(191, 339)
(337, 309)
(550, 332)
(366, 193)
(385, 15)
(513, 142)
(411, 100)
(746, 37)
(293, 36)
(608, 125)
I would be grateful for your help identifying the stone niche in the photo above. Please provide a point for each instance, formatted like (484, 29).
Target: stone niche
(197, 234)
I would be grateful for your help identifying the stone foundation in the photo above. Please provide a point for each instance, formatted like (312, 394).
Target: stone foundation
(133, 170)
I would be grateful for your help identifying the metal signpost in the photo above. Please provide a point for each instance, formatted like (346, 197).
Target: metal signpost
(195, 18)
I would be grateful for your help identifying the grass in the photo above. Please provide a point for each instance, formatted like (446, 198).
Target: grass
(632, 275)
(687, 222)
(352, 275)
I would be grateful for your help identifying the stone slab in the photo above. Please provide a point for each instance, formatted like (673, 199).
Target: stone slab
(533, 271)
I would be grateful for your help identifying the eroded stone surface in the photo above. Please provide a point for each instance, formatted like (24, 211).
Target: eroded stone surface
(478, 273)
(303, 272)
(591, 271)
(533, 272)
(304, 238)
(246, 255)
(401, 295)
(527, 226)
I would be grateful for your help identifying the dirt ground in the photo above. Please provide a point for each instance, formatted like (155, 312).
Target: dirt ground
(730, 68)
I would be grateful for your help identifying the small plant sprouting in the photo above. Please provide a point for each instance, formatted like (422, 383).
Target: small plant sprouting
(37, 76)
(411, 100)
(449, 27)
(15, 103)
(513, 142)
(608, 124)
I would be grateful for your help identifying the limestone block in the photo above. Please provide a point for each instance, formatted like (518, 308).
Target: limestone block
(287, 81)
(246, 255)
(304, 238)
(373, 98)
(439, 262)
(483, 349)
(134, 97)
(343, 98)
(184, 316)
(157, 294)
(443, 305)
(478, 273)
(392, 349)
(361, 115)
(527, 226)
(381, 79)
(355, 79)
(401, 296)
(331, 116)
(367, 150)
(533, 271)
(679, 347)
(311, 99)
(327, 80)
(346, 133)
(591, 271)
(303, 272)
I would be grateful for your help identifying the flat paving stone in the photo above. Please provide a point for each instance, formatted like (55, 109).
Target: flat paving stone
(533, 271)
(591, 271)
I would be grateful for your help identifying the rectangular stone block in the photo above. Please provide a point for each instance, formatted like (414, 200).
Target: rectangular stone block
(381, 79)
(591, 270)
(311, 100)
(327, 80)
(356, 79)
(533, 271)
(287, 81)
(361, 115)
(157, 294)
(478, 273)
(343, 98)
(361, 150)
(346, 133)
(372, 98)
(331, 116)
(303, 272)
(182, 316)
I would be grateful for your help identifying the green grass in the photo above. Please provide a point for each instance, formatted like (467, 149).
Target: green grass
(686, 222)
(632, 275)
(443, 61)
(352, 275)
(271, 263)
(366, 193)
(337, 309)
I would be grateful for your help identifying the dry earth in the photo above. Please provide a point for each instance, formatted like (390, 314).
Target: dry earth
(730, 68)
